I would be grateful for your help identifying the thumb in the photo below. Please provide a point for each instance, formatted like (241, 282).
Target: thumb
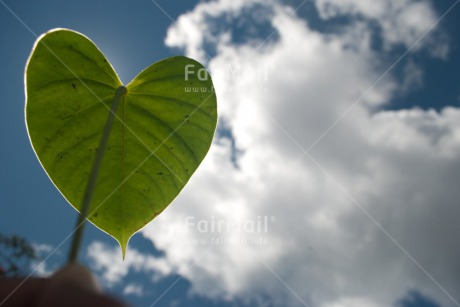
(75, 275)
(74, 286)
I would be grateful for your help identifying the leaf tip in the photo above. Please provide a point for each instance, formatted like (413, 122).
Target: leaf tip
(123, 252)
(123, 245)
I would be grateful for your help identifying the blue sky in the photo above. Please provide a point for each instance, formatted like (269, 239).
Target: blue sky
(340, 123)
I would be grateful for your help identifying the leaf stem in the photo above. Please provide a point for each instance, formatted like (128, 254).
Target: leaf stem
(89, 191)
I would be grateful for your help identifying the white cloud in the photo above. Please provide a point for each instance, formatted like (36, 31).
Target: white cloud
(40, 268)
(412, 78)
(401, 21)
(41, 248)
(191, 31)
(133, 289)
(397, 166)
(112, 269)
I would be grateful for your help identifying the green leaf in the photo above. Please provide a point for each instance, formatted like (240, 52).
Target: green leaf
(162, 130)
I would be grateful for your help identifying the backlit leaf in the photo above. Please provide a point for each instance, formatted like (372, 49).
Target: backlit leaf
(163, 129)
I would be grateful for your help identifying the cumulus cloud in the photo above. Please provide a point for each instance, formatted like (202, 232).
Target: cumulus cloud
(107, 262)
(133, 289)
(41, 267)
(401, 22)
(42, 248)
(193, 30)
(412, 77)
(335, 201)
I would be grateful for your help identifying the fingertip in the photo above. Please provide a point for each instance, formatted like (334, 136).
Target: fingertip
(76, 275)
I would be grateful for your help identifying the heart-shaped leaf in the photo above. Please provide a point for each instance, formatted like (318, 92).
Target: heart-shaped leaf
(162, 130)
